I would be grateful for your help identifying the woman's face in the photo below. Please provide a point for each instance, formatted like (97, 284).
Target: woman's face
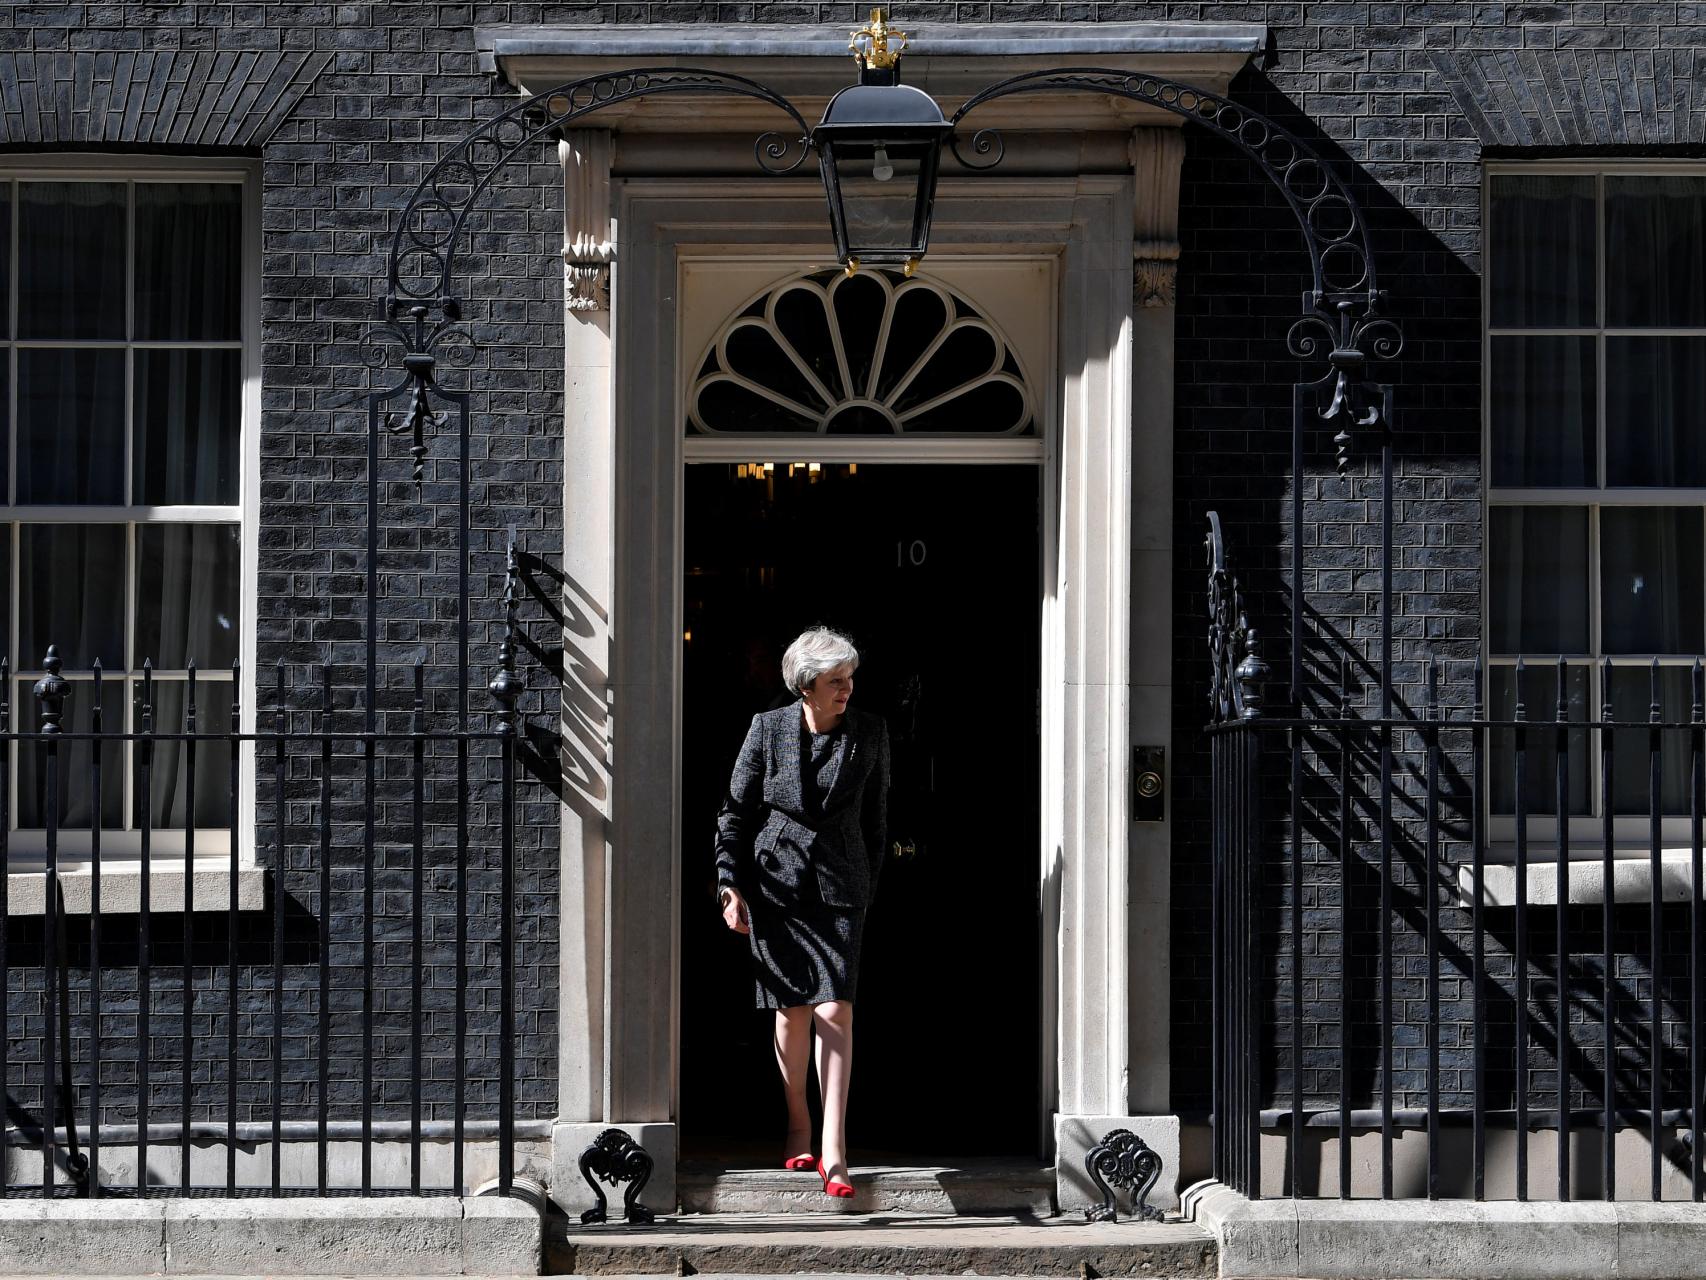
(830, 691)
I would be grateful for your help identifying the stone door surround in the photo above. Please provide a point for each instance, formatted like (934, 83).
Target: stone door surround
(643, 201)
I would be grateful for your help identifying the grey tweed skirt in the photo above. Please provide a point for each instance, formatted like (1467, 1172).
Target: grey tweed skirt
(804, 954)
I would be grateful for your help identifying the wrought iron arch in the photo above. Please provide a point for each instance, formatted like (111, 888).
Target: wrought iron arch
(435, 216)
(1342, 321)
(1308, 183)
(423, 307)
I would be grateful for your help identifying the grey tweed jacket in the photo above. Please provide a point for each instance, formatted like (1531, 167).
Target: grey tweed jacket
(772, 842)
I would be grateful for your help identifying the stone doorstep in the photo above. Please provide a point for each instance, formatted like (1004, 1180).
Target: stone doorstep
(403, 1235)
(881, 1244)
(973, 1187)
(1450, 1239)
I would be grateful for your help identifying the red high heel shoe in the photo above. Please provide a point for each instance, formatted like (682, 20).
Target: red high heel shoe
(797, 1163)
(840, 1190)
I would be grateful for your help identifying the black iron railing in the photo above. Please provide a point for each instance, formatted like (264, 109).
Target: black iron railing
(1455, 923)
(183, 1024)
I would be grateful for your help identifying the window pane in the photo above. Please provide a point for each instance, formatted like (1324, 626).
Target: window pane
(188, 422)
(1655, 250)
(1543, 406)
(189, 260)
(186, 594)
(1540, 763)
(169, 777)
(1631, 700)
(5, 259)
(71, 271)
(71, 594)
(1538, 598)
(6, 598)
(1655, 411)
(1650, 579)
(5, 419)
(71, 426)
(73, 780)
(1540, 250)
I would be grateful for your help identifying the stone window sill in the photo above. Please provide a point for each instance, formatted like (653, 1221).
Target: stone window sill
(1631, 877)
(121, 888)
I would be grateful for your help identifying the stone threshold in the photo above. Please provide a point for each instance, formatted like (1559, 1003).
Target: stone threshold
(1449, 1239)
(881, 1244)
(966, 1187)
(339, 1236)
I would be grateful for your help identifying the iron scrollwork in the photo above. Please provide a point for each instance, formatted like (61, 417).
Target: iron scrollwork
(614, 1156)
(1238, 671)
(1353, 334)
(423, 310)
(1342, 321)
(506, 686)
(1122, 1159)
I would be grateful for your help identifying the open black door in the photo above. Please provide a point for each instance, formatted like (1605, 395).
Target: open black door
(934, 571)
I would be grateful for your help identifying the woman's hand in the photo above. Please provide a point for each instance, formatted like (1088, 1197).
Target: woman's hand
(734, 911)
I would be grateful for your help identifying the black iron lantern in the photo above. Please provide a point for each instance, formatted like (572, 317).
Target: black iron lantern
(879, 144)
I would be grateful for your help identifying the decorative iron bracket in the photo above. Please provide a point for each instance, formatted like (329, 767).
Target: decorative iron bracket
(1352, 332)
(614, 1156)
(1341, 321)
(423, 309)
(1122, 1159)
(1234, 648)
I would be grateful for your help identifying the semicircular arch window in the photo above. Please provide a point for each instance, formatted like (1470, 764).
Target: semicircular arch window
(870, 354)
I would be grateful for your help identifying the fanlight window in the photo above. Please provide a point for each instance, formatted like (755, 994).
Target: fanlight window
(869, 354)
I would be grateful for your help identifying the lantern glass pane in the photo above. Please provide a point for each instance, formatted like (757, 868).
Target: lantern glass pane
(880, 196)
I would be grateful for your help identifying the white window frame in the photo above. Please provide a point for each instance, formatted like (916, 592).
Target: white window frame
(120, 849)
(1631, 832)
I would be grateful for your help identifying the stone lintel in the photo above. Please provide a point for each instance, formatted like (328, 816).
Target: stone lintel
(808, 64)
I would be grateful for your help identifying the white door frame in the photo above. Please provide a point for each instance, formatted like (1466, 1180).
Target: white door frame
(1039, 451)
(621, 949)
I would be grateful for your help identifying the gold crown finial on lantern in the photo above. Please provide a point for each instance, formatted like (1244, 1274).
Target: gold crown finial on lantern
(877, 45)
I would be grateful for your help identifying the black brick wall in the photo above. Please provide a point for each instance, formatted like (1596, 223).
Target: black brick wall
(1406, 93)
(394, 84)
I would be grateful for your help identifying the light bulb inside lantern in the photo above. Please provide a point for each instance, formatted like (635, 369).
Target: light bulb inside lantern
(883, 170)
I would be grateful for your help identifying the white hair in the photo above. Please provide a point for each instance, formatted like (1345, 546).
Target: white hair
(813, 653)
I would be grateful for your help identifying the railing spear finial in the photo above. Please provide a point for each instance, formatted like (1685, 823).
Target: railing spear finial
(50, 691)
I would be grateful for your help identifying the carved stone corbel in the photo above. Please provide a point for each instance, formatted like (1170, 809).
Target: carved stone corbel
(587, 247)
(1156, 156)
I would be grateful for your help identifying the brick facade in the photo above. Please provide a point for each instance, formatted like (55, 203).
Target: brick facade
(1408, 94)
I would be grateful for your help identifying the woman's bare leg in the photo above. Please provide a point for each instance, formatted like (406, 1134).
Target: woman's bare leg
(793, 1058)
(834, 1022)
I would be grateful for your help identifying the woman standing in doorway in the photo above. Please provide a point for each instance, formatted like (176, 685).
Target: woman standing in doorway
(800, 841)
